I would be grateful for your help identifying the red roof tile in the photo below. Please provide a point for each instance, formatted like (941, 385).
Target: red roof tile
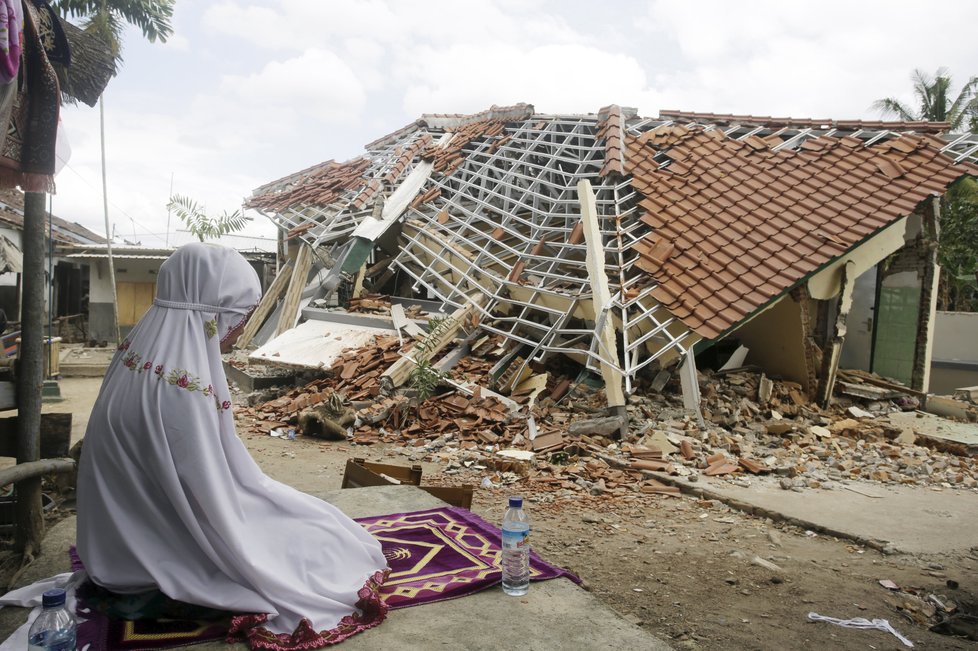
(801, 123)
(776, 216)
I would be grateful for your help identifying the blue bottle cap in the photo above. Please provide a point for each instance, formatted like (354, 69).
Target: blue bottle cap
(516, 502)
(51, 598)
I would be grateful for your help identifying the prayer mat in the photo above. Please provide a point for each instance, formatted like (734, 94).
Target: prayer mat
(441, 554)
(434, 555)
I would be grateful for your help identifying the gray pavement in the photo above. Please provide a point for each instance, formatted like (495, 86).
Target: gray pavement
(911, 519)
(554, 615)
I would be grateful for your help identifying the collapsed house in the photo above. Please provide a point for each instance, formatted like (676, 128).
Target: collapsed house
(631, 244)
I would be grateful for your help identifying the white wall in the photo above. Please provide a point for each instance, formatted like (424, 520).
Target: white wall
(956, 336)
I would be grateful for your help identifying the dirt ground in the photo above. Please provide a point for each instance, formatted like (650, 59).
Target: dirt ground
(693, 572)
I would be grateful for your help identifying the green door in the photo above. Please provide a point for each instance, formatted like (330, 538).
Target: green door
(896, 327)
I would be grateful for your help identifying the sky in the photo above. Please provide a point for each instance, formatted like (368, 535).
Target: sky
(247, 92)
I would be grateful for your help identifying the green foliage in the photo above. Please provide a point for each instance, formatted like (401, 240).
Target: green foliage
(107, 18)
(437, 325)
(958, 250)
(934, 101)
(203, 226)
(424, 379)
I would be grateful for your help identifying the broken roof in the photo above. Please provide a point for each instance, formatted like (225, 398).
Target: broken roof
(65, 232)
(705, 218)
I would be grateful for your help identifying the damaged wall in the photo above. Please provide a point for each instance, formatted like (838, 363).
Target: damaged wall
(776, 341)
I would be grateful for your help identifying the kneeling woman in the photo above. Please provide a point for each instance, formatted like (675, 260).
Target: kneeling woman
(169, 498)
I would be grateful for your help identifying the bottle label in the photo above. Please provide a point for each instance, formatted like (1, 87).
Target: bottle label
(515, 539)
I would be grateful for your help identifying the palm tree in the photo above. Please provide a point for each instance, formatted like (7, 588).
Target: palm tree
(934, 97)
(106, 19)
(201, 224)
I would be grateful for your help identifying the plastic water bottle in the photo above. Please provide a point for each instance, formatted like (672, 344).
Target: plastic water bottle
(516, 549)
(55, 628)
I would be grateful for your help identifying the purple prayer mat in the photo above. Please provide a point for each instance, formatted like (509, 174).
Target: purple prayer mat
(434, 555)
(442, 554)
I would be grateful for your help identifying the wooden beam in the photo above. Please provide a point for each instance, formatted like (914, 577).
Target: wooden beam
(600, 293)
(290, 307)
(830, 358)
(927, 308)
(426, 349)
(265, 307)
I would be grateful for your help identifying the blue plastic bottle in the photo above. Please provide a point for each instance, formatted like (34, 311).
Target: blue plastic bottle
(516, 549)
(55, 629)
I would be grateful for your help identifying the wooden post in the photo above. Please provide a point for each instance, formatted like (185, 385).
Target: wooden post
(600, 296)
(268, 302)
(30, 378)
(927, 310)
(830, 358)
(691, 387)
(297, 283)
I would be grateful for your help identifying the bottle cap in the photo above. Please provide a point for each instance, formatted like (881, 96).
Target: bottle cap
(51, 598)
(516, 502)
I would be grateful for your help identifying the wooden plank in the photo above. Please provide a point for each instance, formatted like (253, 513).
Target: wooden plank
(430, 346)
(360, 473)
(55, 436)
(601, 294)
(290, 307)
(460, 496)
(266, 305)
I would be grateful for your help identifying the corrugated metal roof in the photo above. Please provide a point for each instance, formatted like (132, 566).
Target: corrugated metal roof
(118, 256)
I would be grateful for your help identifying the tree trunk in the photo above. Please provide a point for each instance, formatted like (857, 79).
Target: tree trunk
(30, 378)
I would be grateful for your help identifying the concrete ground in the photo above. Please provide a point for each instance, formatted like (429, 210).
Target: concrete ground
(554, 615)
(892, 517)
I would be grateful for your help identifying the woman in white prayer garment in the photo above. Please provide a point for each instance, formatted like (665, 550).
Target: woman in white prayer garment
(170, 499)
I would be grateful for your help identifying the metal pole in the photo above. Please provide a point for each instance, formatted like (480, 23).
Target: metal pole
(50, 350)
(30, 377)
(108, 230)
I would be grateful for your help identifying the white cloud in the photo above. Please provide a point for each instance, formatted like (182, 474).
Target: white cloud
(274, 86)
(569, 78)
(317, 83)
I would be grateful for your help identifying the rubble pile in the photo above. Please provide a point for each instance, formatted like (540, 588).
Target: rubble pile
(558, 435)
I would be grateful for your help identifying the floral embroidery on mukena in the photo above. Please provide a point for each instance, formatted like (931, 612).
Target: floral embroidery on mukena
(180, 378)
(210, 327)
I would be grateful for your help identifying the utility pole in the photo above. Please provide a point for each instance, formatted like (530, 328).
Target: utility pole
(108, 231)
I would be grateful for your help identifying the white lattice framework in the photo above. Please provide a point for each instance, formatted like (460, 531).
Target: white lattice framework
(502, 227)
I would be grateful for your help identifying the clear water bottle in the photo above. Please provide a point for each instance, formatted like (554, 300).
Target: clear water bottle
(55, 628)
(516, 549)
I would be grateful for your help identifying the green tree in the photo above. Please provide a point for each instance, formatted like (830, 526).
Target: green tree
(107, 18)
(957, 252)
(200, 224)
(934, 101)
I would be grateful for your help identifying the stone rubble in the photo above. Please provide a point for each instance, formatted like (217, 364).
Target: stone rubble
(754, 425)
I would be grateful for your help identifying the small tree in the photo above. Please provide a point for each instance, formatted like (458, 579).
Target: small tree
(202, 225)
(957, 252)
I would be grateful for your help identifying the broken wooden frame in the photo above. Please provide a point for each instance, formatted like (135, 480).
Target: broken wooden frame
(360, 473)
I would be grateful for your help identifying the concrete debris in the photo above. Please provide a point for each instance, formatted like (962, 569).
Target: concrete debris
(467, 425)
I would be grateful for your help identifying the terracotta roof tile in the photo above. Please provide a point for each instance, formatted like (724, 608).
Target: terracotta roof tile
(748, 223)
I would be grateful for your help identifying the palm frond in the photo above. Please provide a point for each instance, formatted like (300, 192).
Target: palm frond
(891, 106)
